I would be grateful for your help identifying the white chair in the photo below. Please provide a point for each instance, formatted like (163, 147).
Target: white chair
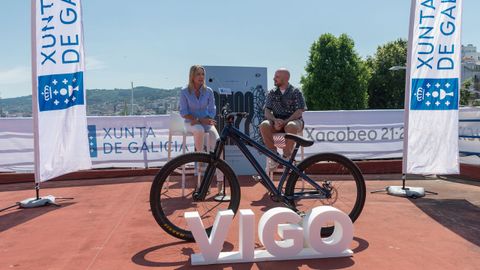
(177, 128)
(279, 142)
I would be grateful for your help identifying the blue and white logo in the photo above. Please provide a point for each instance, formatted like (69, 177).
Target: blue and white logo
(434, 94)
(92, 140)
(60, 91)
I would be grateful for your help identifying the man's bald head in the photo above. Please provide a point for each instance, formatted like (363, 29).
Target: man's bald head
(281, 78)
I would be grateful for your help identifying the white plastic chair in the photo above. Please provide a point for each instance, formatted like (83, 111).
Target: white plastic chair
(177, 128)
(279, 142)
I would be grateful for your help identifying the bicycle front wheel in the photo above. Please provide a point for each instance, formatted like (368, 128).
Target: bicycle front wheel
(171, 194)
(335, 173)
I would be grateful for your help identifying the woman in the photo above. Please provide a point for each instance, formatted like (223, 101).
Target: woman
(197, 106)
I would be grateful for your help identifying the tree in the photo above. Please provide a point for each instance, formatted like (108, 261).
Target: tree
(466, 97)
(386, 88)
(336, 76)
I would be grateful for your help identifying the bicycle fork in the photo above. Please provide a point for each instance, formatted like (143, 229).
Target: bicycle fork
(206, 181)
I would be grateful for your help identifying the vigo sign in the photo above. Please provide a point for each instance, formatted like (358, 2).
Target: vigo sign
(300, 238)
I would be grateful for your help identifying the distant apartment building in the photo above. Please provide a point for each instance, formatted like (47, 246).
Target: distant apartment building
(470, 54)
(470, 64)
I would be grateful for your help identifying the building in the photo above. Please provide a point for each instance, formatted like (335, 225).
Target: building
(470, 64)
(470, 54)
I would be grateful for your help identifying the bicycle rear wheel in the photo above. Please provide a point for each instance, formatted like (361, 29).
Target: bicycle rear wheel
(336, 173)
(173, 187)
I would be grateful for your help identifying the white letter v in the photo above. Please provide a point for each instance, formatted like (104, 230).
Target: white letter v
(210, 247)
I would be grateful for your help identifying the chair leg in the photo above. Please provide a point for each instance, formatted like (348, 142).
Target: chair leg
(169, 151)
(302, 155)
(199, 174)
(169, 155)
(267, 169)
(207, 138)
(184, 141)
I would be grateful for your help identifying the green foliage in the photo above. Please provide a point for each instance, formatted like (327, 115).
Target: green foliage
(336, 76)
(466, 97)
(386, 88)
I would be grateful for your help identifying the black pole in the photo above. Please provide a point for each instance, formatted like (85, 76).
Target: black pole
(404, 178)
(37, 190)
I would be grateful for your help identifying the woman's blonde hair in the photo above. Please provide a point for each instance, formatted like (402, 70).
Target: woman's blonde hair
(194, 70)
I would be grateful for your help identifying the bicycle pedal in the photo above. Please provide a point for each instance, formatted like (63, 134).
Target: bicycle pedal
(256, 178)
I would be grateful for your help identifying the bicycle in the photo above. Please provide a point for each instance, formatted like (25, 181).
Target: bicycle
(317, 179)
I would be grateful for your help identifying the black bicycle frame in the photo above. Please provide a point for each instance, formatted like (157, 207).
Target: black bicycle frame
(241, 140)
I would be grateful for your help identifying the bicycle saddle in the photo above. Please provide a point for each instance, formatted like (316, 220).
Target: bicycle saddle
(300, 140)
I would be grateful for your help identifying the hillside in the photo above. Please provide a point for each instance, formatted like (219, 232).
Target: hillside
(146, 101)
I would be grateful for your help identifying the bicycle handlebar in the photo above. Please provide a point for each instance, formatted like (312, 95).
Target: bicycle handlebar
(229, 115)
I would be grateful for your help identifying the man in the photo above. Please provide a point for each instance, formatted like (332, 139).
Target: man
(283, 112)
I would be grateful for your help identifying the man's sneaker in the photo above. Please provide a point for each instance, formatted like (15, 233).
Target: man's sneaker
(287, 158)
(272, 164)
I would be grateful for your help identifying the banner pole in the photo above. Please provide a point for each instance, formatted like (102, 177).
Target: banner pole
(37, 201)
(36, 144)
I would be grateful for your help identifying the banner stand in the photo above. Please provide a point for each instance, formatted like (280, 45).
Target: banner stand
(403, 191)
(40, 201)
(36, 201)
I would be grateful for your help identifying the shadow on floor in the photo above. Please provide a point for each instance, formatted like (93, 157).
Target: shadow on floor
(174, 261)
(76, 183)
(184, 250)
(458, 215)
(15, 217)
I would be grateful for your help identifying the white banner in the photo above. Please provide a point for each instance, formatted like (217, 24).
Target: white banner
(433, 87)
(58, 96)
(133, 141)
(369, 134)
(142, 141)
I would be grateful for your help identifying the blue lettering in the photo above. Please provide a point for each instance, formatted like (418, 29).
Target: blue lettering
(423, 17)
(424, 34)
(183, 146)
(43, 6)
(150, 132)
(71, 13)
(141, 131)
(445, 31)
(46, 27)
(430, 45)
(153, 148)
(49, 57)
(132, 147)
(428, 4)
(52, 43)
(118, 148)
(144, 148)
(424, 63)
(449, 12)
(445, 51)
(69, 41)
(118, 136)
(448, 63)
(107, 146)
(107, 133)
(131, 132)
(75, 57)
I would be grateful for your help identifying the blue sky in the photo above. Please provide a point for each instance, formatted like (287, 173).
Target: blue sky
(153, 43)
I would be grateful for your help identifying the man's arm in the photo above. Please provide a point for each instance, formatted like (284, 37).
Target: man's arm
(269, 115)
(278, 124)
(301, 107)
(296, 115)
